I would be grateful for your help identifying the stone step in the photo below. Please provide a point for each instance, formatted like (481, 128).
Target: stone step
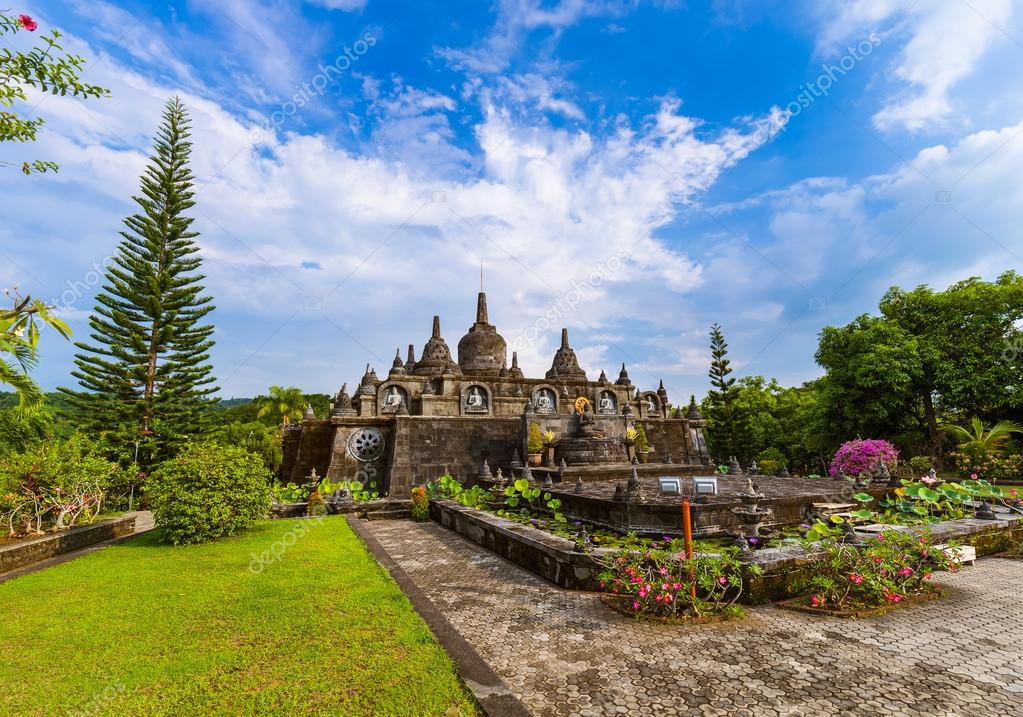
(393, 514)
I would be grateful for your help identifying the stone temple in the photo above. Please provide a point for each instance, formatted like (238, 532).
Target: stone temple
(472, 416)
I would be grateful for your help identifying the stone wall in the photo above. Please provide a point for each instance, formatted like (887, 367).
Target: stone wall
(313, 451)
(33, 550)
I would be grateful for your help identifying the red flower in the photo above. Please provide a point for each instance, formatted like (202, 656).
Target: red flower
(27, 22)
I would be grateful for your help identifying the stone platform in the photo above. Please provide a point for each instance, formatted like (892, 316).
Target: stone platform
(658, 514)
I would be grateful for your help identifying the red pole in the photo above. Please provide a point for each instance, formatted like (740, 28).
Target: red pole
(687, 537)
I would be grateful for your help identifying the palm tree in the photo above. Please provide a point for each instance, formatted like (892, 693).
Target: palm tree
(287, 402)
(979, 441)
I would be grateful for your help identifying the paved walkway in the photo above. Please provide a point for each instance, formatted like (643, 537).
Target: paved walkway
(564, 653)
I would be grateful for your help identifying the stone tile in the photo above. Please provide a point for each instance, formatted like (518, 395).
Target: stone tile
(564, 653)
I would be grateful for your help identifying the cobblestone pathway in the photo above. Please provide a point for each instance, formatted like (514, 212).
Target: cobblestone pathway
(564, 653)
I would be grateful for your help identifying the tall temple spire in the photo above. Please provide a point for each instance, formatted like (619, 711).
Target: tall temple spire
(564, 338)
(436, 327)
(481, 306)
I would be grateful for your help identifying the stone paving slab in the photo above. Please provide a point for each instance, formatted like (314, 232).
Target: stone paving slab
(564, 653)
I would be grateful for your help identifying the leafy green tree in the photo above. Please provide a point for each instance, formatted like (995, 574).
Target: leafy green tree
(147, 367)
(873, 376)
(45, 67)
(256, 438)
(727, 424)
(287, 402)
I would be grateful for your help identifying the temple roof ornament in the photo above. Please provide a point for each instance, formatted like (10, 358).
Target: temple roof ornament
(515, 371)
(623, 377)
(565, 364)
(436, 357)
(603, 378)
(397, 366)
(482, 350)
(410, 363)
(342, 403)
(693, 414)
(368, 384)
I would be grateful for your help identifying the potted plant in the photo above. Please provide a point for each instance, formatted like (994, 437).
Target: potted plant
(642, 443)
(548, 447)
(534, 445)
(630, 443)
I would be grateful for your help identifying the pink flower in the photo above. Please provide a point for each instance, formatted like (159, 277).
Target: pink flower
(857, 579)
(635, 604)
(973, 476)
(27, 22)
(880, 537)
(905, 572)
(676, 586)
(815, 601)
(663, 571)
(667, 598)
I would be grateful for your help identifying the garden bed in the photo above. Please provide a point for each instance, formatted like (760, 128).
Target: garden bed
(799, 604)
(621, 605)
(33, 550)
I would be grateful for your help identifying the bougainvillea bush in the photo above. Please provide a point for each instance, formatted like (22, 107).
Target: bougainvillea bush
(658, 581)
(888, 569)
(860, 456)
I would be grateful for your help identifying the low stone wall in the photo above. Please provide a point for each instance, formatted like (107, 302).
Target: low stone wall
(546, 555)
(33, 550)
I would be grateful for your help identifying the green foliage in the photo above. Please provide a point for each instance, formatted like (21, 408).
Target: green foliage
(921, 465)
(771, 461)
(21, 429)
(53, 484)
(19, 341)
(926, 501)
(977, 446)
(642, 442)
(45, 67)
(727, 422)
(535, 441)
(254, 437)
(289, 493)
(285, 404)
(419, 506)
(521, 495)
(448, 487)
(888, 569)
(208, 491)
(147, 368)
(658, 581)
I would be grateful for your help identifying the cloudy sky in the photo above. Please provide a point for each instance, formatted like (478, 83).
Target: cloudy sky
(631, 170)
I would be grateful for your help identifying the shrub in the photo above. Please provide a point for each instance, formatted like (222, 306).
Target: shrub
(535, 442)
(316, 505)
(658, 582)
(55, 485)
(208, 491)
(860, 456)
(989, 467)
(920, 465)
(420, 508)
(771, 461)
(888, 569)
(642, 442)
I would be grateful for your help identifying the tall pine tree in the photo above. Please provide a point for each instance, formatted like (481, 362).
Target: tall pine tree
(727, 423)
(146, 371)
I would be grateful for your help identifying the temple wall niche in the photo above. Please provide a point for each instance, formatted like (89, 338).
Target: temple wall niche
(314, 449)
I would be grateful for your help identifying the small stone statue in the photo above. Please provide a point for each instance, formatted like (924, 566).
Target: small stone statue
(582, 540)
(499, 480)
(741, 543)
(754, 469)
(784, 473)
(548, 482)
(733, 466)
(485, 471)
(579, 484)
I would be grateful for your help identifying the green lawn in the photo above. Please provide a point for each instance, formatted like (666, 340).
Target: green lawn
(144, 628)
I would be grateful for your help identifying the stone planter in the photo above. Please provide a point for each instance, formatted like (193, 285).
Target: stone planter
(798, 604)
(643, 456)
(535, 459)
(32, 550)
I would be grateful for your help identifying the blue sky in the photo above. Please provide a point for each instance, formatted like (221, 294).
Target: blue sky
(631, 170)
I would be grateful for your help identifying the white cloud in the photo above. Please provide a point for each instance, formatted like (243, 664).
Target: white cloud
(395, 242)
(945, 43)
(344, 5)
